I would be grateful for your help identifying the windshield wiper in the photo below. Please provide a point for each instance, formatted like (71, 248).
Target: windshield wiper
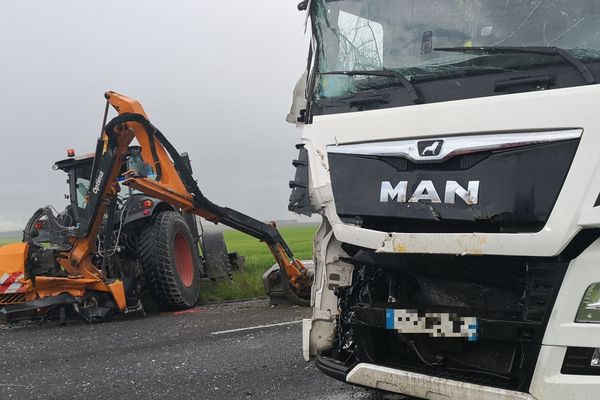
(550, 51)
(412, 91)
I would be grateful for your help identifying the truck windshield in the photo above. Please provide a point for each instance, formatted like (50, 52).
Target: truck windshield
(403, 35)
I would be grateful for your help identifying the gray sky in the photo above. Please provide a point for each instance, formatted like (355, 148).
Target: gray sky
(215, 77)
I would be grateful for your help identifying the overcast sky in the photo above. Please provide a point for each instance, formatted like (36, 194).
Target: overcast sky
(215, 77)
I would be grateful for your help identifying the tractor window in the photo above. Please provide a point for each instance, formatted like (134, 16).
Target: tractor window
(82, 186)
(135, 163)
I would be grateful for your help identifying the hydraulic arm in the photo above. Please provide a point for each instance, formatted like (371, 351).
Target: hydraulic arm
(173, 183)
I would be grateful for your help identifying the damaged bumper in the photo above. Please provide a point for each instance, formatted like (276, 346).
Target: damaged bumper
(426, 387)
(534, 351)
(548, 384)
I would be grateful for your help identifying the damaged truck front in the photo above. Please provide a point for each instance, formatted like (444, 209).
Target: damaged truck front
(451, 147)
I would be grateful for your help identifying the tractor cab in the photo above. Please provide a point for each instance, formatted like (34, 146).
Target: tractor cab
(79, 169)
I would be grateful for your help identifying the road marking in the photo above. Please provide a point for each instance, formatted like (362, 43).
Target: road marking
(14, 384)
(251, 328)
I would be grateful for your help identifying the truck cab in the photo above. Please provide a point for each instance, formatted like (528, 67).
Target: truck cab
(449, 147)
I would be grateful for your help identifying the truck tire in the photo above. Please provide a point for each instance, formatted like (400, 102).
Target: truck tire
(216, 258)
(170, 262)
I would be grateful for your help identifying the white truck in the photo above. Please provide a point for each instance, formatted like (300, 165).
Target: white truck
(451, 148)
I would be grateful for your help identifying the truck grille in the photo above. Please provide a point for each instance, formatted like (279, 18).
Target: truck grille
(517, 188)
(511, 298)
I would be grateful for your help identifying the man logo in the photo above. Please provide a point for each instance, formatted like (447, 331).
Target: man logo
(426, 191)
(430, 148)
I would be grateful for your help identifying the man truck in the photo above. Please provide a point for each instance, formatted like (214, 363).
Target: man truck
(450, 148)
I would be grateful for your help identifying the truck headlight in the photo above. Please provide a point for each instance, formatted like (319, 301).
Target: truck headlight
(589, 308)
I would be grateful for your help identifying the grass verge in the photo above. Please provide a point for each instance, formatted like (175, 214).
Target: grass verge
(9, 240)
(248, 284)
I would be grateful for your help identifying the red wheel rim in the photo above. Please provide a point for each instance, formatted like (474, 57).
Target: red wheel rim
(183, 260)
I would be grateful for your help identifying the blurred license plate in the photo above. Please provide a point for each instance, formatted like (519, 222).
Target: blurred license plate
(432, 324)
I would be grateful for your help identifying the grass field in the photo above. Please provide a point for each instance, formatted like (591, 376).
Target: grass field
(258, 259)
(248, 284)
(8, 240)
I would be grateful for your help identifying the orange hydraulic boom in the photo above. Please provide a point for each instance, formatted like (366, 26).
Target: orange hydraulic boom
(173, 183)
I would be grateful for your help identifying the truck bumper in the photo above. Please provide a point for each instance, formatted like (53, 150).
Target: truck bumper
(548, 382)
(426, 387)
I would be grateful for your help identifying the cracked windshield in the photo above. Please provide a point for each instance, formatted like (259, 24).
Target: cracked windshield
(374, 44)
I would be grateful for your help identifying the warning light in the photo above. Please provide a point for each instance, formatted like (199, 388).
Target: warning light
(38, 225)
(146, 212)
(147, 203)
(70, 152)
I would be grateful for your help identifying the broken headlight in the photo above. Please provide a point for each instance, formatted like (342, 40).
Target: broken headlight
(589, 308)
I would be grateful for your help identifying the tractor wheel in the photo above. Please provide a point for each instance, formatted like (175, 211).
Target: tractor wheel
(216, 259)
(170, 262)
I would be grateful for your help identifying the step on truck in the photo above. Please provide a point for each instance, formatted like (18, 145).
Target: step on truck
(451, 148)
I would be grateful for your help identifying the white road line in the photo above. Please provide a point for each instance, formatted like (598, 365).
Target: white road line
(251, 328)
(13, 384)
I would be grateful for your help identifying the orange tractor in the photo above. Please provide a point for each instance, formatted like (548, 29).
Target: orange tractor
(100, 254)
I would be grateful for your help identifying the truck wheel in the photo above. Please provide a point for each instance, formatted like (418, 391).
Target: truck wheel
(170, 261)
(216, 259)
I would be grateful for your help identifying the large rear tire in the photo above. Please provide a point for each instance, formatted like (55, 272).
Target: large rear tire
(170, 262)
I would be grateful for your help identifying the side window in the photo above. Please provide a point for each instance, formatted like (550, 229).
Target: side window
(361, 43)
(83, 185)
(135, 163)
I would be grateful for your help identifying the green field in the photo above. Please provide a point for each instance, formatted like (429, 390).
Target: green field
(248, 284)
(9, 240)
(258, 259)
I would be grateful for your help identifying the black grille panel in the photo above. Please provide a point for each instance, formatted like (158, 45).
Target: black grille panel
(517, 190)
(457, 163)
(512, 297)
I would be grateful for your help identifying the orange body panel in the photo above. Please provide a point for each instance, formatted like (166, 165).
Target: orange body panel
(13, 258)
(12, 269)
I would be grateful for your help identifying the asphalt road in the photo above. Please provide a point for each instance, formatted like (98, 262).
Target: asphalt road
(169, 356)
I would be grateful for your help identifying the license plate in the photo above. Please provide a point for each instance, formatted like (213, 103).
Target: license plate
(432, 324)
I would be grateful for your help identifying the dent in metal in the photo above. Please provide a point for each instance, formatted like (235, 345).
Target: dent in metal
(323, 160)
(330, 273)
(467, 243)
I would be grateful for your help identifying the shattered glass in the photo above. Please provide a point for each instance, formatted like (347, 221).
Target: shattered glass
(403, 35)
